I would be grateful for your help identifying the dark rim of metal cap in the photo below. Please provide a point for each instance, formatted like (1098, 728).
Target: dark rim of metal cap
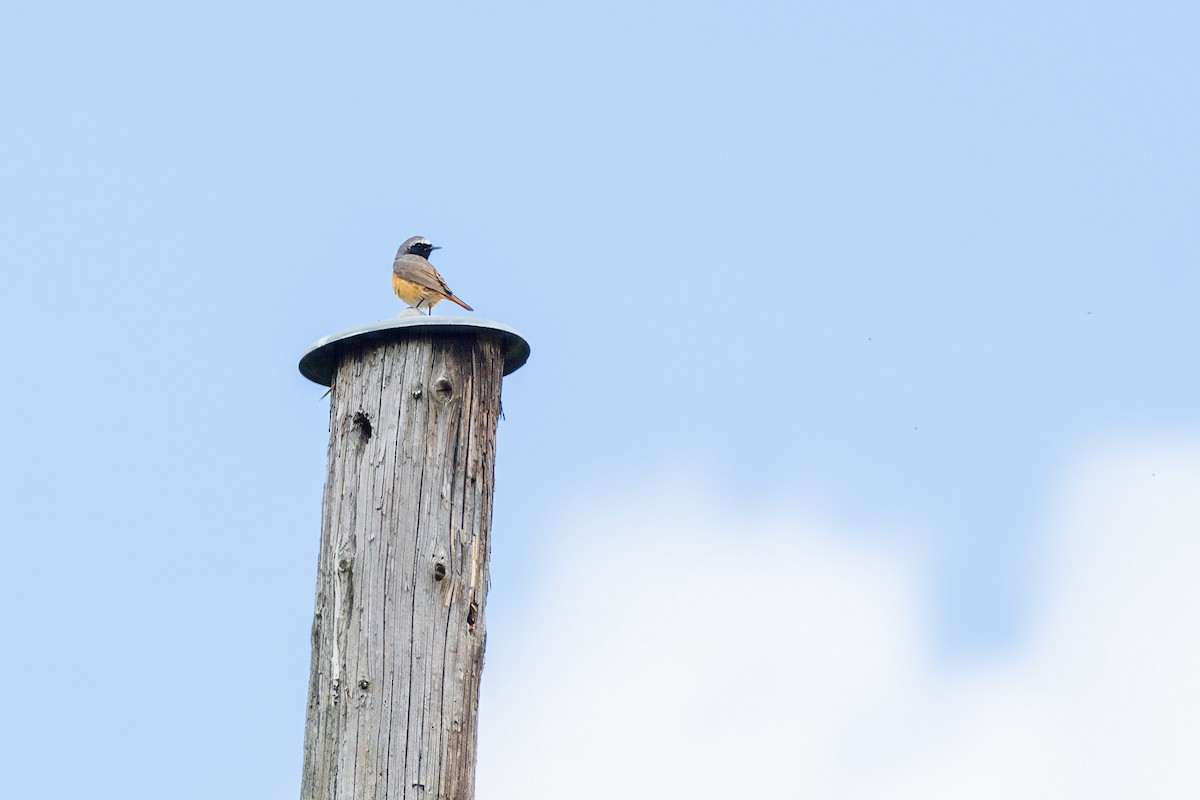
(319, 361)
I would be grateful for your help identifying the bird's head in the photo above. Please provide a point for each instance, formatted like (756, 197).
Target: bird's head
(417, 246)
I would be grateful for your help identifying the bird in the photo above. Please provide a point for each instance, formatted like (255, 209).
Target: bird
(414, 279)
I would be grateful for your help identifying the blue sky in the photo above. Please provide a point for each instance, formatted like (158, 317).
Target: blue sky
(897, 264)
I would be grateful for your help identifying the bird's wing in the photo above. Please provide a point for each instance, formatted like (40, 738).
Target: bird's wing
(416, 269)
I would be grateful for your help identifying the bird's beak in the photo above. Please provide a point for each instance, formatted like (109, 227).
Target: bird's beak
(435, 248)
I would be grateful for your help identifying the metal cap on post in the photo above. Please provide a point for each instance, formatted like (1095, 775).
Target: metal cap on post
(319, 362)
(402, 576)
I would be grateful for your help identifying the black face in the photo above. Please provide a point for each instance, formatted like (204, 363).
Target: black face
(422, 249)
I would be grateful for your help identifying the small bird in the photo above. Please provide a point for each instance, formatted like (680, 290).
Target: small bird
(415, 281)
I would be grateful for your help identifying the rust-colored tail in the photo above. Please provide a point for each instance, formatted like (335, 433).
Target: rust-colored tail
(454, 299)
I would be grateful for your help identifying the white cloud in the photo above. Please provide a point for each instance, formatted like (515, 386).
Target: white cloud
(688, 649)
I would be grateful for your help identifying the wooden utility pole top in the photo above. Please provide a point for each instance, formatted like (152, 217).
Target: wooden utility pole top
(402, 577)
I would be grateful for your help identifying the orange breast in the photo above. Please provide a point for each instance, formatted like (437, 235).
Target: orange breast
(414, 294)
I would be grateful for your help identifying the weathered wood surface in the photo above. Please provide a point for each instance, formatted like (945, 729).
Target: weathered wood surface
(398, 633)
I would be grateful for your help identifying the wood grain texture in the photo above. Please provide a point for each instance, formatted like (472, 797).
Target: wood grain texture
(398, 633)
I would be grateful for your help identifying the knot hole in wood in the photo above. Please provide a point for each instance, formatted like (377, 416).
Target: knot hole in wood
(443, 389)
(361, 423)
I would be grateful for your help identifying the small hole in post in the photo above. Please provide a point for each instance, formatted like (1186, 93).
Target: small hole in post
(442, 389)
(364, 684)
(439, 571)
(362, 424)
(472, 614)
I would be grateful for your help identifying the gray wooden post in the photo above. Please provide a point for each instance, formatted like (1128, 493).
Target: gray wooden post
(402, 577)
